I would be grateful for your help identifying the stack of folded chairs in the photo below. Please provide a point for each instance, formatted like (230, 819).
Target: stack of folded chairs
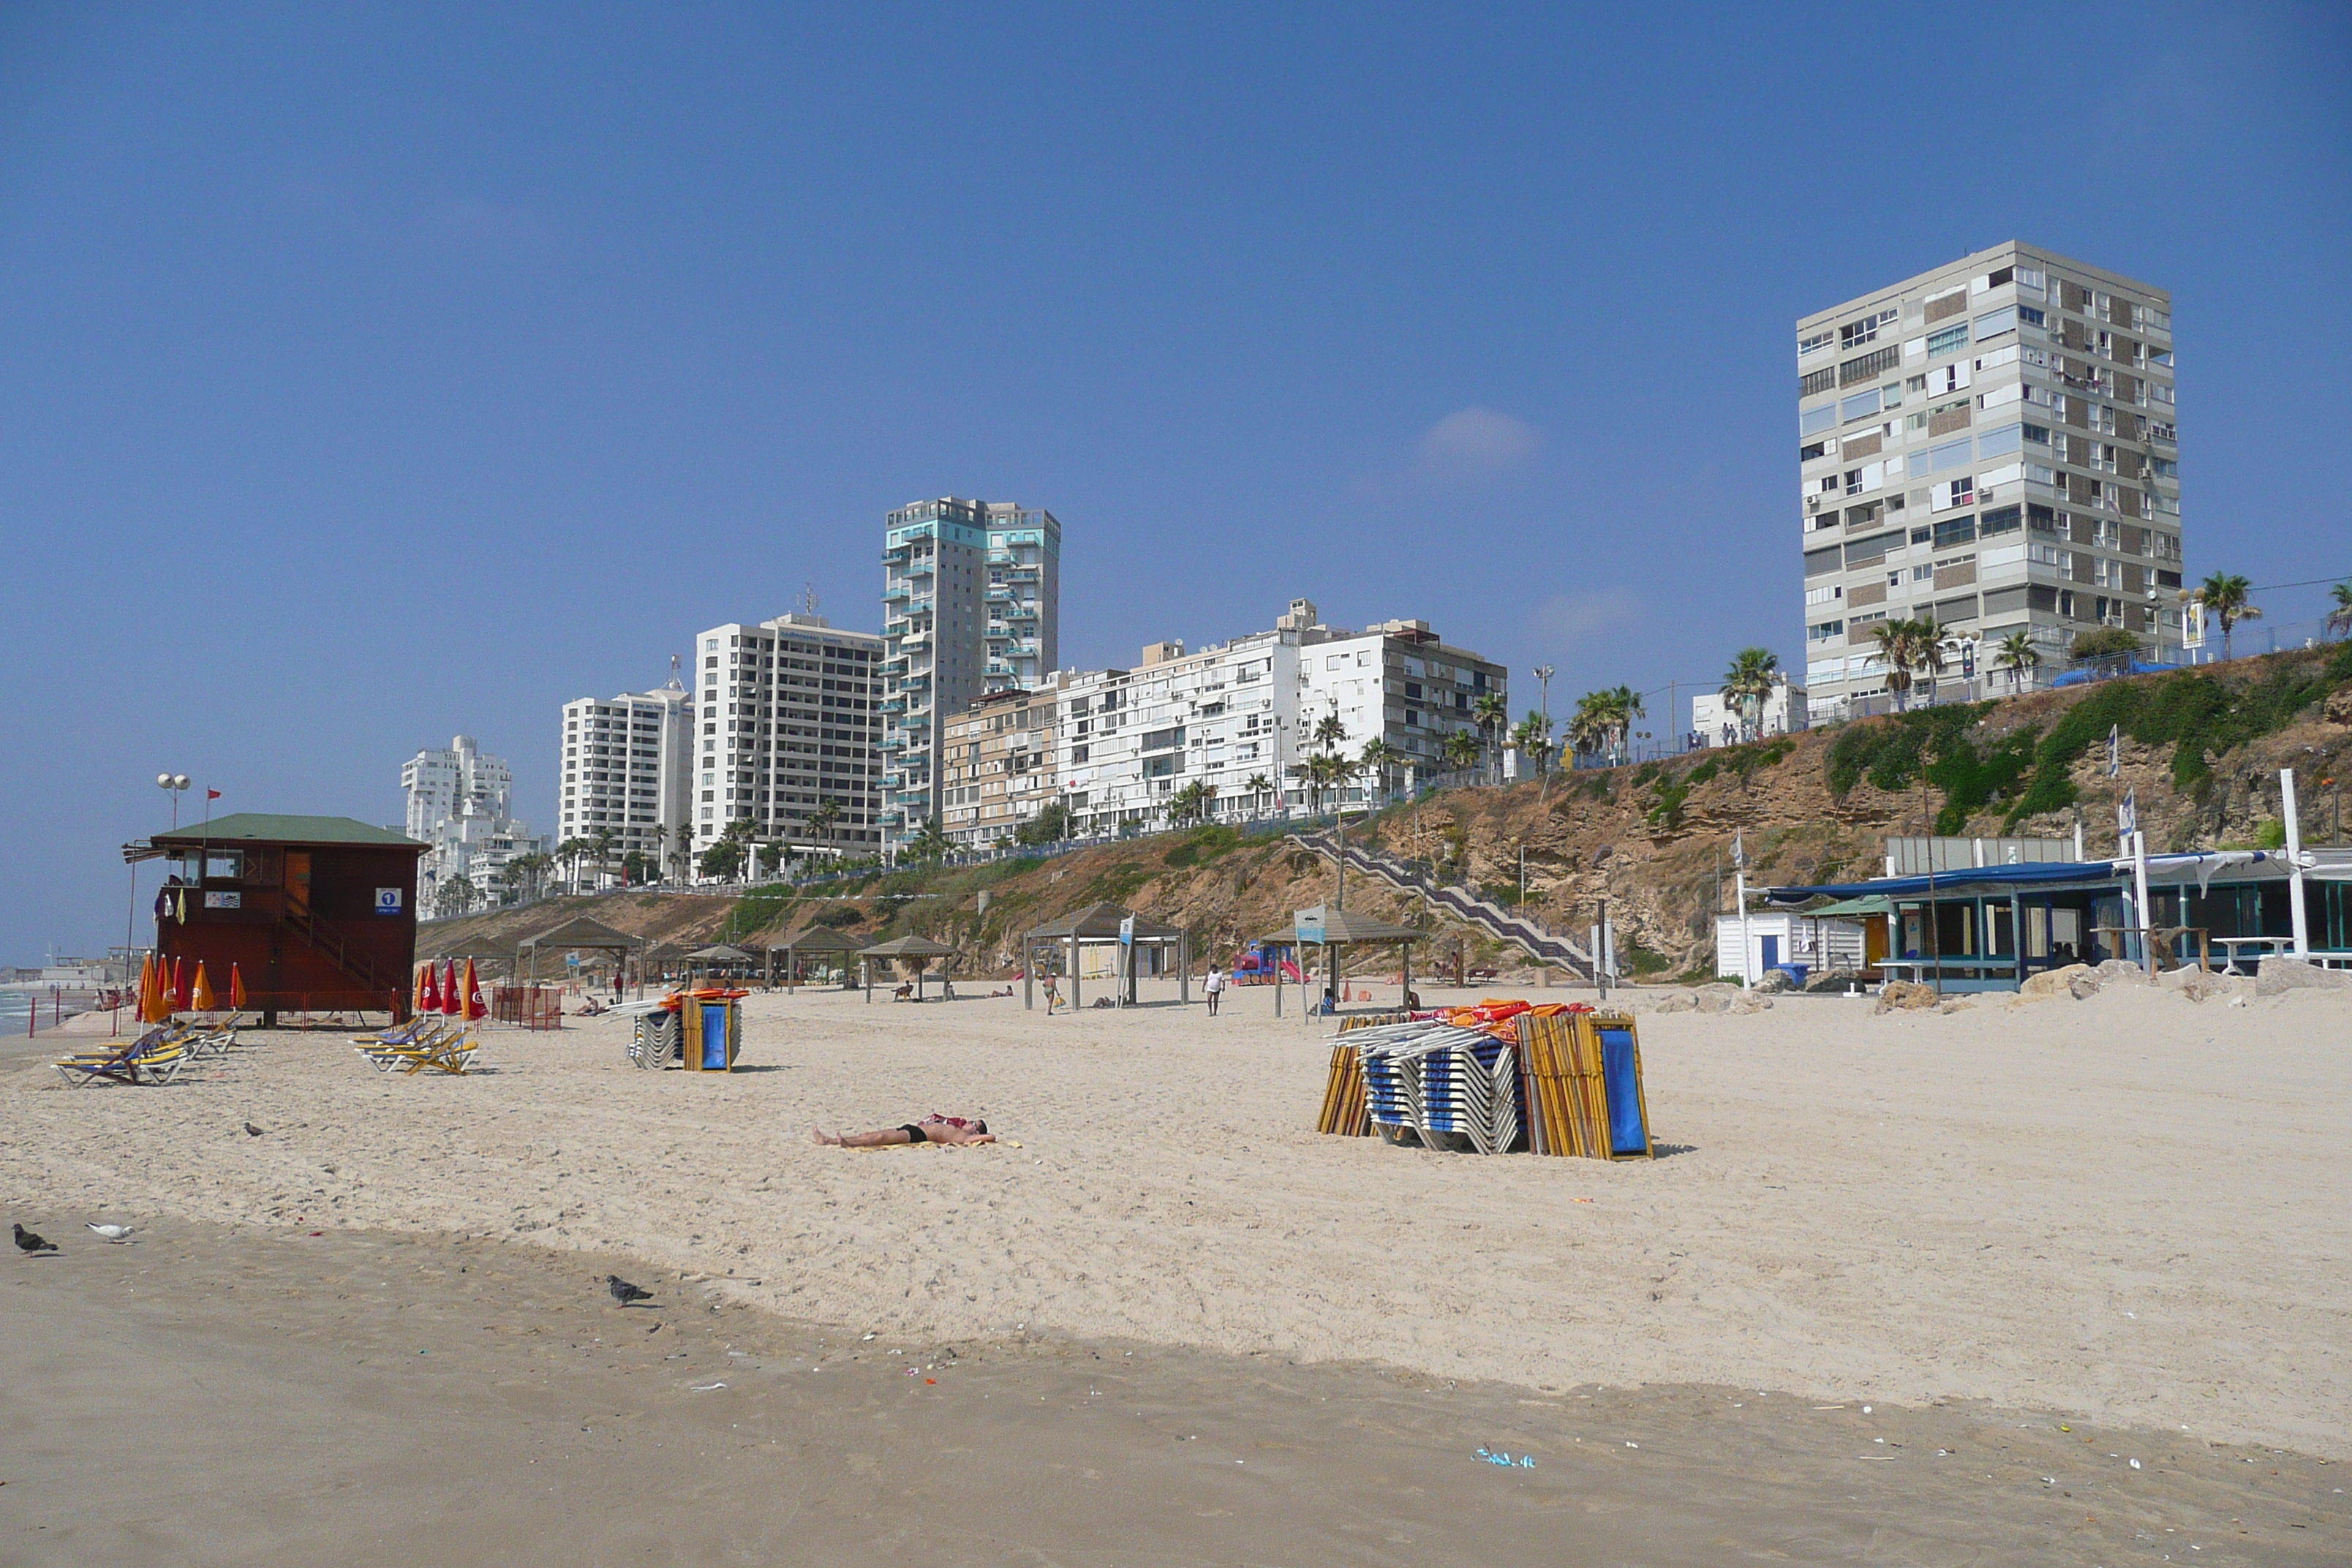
(1439, 1084)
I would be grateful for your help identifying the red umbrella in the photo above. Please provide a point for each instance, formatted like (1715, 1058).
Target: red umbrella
(431, 990)
(474, 1007)
(453, 1001)
(183, 985)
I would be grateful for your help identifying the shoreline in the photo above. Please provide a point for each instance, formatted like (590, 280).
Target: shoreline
(406, 1397)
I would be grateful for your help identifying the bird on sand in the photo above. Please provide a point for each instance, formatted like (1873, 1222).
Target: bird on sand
(251, 1130)
(27, 1241)
(623, 1291)
(108, 1232)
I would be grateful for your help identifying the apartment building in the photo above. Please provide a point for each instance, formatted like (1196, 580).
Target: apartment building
(1237, 716)
(1000, 765)
(970, 604)
(1992, 443)
(626, 767)
(789, 734)
(460, 801)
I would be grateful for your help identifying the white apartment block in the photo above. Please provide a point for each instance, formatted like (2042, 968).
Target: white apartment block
(1717, 720)
(1994, 443)
(1124, 742)
(970, 604)
(459, 801)
(789, 725)
(625, 768)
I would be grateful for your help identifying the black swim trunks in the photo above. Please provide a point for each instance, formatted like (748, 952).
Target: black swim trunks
(914, 1133)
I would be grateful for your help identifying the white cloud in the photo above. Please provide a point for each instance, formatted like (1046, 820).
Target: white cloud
(1566, 618)
(1478, 440)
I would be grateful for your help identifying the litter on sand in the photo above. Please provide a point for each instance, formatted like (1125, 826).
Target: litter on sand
(1502, 1457)
(707, 1387)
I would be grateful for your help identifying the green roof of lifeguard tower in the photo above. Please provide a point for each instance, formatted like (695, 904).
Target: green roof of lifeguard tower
(272, 828)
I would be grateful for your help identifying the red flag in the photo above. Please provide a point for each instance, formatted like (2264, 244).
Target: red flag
(212, 794)
(431, 989)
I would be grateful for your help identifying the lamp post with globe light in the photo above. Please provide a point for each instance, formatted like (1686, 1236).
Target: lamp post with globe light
(176, 784)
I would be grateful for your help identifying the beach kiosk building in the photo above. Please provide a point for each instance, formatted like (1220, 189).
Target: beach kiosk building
(314, 913)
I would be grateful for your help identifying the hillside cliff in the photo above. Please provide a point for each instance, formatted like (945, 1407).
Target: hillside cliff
(2201, 749)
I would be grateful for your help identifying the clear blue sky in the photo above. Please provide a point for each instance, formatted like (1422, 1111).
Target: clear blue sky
(372, 375)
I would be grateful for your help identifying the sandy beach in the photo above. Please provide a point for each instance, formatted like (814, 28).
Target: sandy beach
(2125, 1211)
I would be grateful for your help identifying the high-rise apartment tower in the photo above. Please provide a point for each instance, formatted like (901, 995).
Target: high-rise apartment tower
(788, 734)
(625, 761)
(970, 603)
(1994, 444)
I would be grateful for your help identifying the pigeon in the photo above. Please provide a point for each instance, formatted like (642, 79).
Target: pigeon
(251, 1130)
(623, 1291)
(26, 1241)
(109, 1232)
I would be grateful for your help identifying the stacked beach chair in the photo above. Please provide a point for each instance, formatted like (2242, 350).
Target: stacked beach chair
(444, 1045)
(1555, 1080)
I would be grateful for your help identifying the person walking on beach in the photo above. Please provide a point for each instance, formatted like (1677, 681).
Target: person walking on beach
(1214, 988)
(931, 1129)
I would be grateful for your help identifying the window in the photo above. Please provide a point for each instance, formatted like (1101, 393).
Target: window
(1819, 561)
(1952, 340)
(1999, 520)
(1948, 378)
(1814, 421)
(1861, 405)
(1961, 491)
(1823, 596)
(1821, 631)
(1995, 443)
(1870, 367)
(1853, 334)
(1817, 450)
(1950, 455)
(1817, 381)
(2033, 278)
(1992, 323)
(2042, 555)
(2037, 434)
(2040, 518)
(1955, 530)
(1807, 347)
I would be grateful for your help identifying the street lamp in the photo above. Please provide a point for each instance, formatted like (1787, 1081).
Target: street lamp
(176, 783)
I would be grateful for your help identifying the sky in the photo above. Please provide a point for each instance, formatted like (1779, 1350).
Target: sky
(373, 375)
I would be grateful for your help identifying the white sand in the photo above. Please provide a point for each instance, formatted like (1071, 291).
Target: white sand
(2132, 1208)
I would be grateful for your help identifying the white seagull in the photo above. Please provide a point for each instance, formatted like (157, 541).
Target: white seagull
(111, 1232)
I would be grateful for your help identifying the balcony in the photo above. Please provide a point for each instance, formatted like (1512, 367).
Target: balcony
(1000, 595)
(896, 591)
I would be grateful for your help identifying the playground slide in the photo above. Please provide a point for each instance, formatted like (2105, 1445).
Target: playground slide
(1292, 970)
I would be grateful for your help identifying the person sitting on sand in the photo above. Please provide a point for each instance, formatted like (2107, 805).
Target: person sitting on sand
(906, 991)
(931, 1129)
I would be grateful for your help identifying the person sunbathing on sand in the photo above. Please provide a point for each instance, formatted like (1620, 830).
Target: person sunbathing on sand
(931, 1129)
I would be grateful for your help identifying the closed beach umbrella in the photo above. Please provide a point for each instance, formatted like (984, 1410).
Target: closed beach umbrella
(236, 990)
(181, 983)
(474, 1008)
(424, 975)
(452, 1002)
(148, 985)
(200, 995)
(428, 989)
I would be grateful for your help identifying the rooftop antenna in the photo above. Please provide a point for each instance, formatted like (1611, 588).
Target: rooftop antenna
(675, 684)
(808, 598)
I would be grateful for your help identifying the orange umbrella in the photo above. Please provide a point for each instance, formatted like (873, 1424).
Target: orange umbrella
(236, 990)
(474, 1007)
(428, 989)
(200, 995)
(418, 1004)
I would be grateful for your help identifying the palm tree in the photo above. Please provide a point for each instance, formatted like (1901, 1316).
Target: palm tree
(573, 850)
(1380, 757)
(1927, 654)
(604, 848)
(929, 842)
(1624, 707)
(1323, 773)
(1493, 717)
(824, 818)
(2339, 619)
(1747, 683)
(1259, 787)
(2016, 654)
(1460, 751)
(1190, 804)
(2230, 598)
(1897, 643)
(1589, 726)
(1330, 731)
(1533, 738)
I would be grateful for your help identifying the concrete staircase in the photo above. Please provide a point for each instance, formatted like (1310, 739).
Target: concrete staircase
(1542, 945)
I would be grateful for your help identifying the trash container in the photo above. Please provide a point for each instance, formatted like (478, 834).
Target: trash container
(1796, 974)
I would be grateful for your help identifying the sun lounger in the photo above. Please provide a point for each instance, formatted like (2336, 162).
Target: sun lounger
(154, 1058)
